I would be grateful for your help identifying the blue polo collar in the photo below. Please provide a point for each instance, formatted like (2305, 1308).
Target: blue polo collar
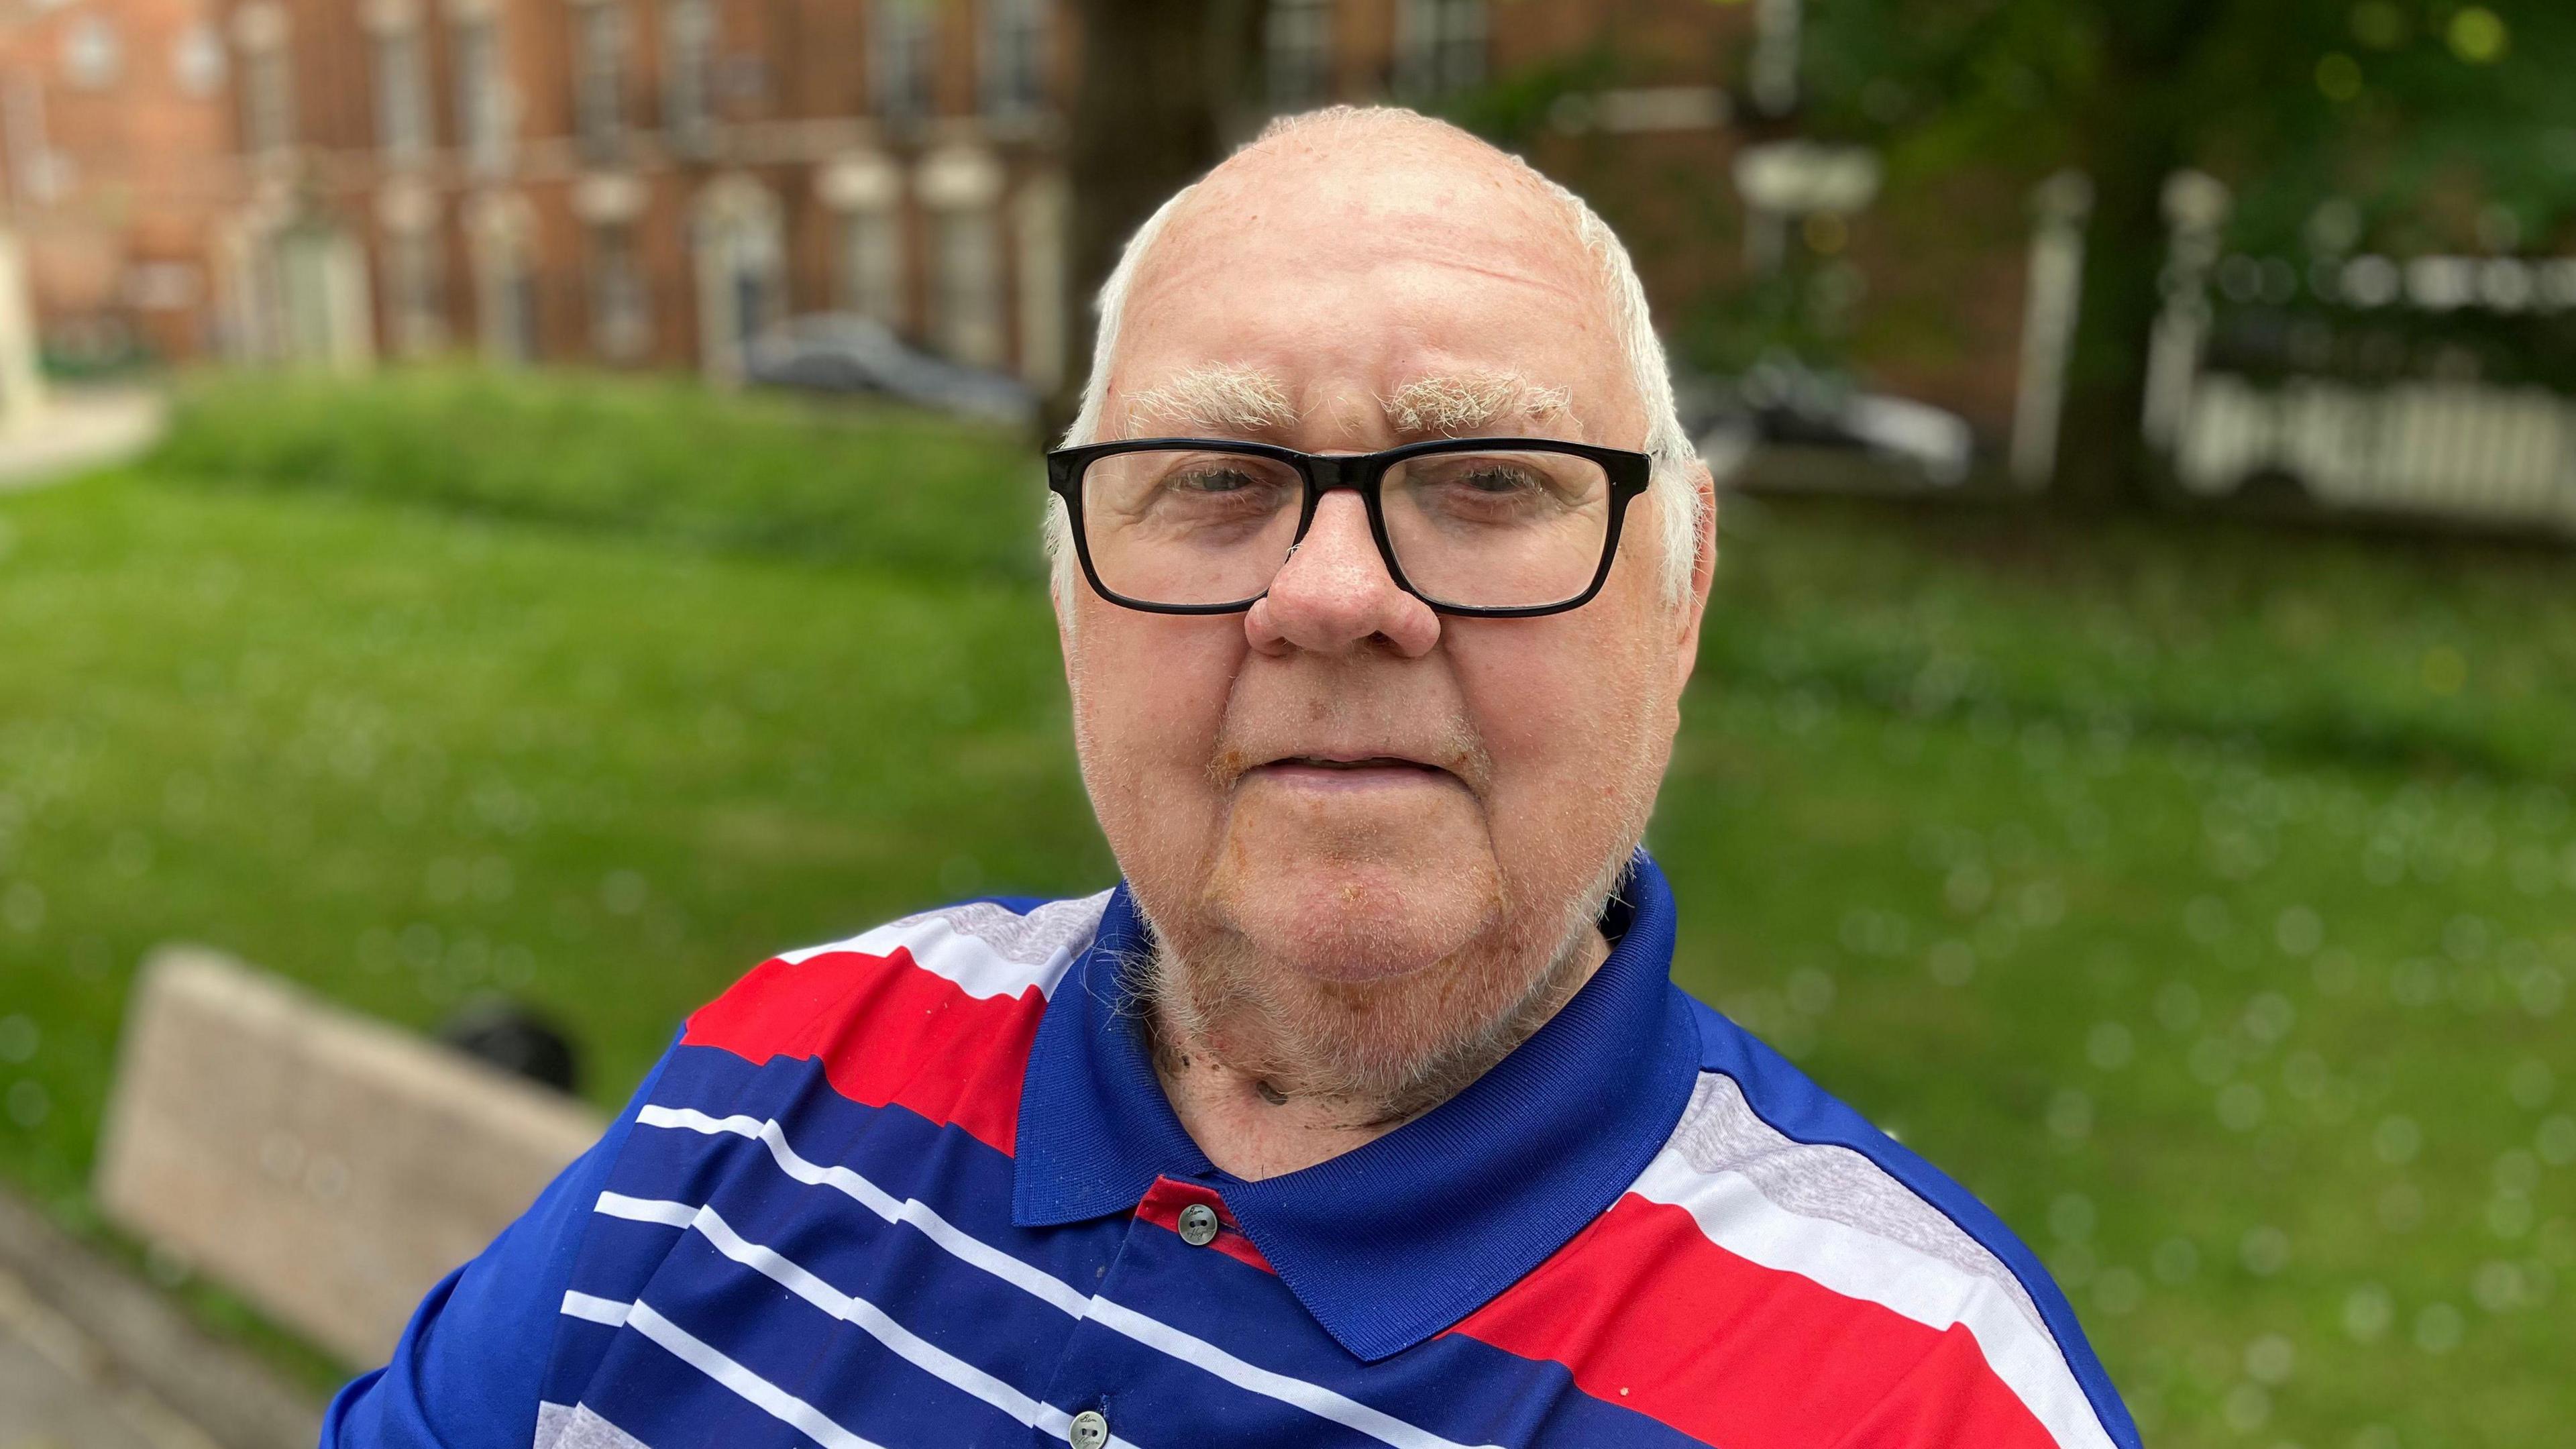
(1395, 1241)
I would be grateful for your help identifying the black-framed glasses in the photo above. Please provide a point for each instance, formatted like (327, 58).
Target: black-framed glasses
(1485, 527)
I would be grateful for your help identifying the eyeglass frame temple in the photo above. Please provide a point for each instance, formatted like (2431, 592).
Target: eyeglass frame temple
(1364, 474)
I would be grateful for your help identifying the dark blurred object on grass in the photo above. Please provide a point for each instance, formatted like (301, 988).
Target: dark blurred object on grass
(841, 352)
(516, 1038)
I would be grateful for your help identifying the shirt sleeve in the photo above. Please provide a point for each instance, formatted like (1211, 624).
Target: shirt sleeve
(467, 1370)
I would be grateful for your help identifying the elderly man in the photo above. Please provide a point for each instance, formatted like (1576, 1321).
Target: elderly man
(1362, 1111)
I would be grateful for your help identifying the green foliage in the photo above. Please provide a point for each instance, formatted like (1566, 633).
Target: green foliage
(1514, 108)
(1785, 314)
(2199, 898)
(852, 484)
(2421, 112)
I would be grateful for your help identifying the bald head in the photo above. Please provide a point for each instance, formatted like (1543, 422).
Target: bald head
(1413, 224)
(1361, 188)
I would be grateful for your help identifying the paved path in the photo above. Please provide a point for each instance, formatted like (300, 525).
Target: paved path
(76, 430)
(61, 1389)
(90, 1358)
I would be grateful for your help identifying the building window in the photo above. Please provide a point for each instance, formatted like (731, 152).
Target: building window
(1439, 47)
(1298, 53)
(688, 69)
(482, 108)
(268, 105)
(402, 94)
(1014, 56)
(1038, 239)
(92, 55)
(872, 264)
(599, 75)
(902, 52)
(413, 283)
(621, 312)
(509, 306)
(967, 320)
(197, 60)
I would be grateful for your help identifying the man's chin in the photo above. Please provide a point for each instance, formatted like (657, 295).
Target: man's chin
(1355, 923)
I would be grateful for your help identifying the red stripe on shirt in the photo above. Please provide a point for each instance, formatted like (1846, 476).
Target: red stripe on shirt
(888, 1034)
(1648, 1314)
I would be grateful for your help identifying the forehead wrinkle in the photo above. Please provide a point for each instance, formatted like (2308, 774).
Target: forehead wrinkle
(1451, 404)
(1219, 398)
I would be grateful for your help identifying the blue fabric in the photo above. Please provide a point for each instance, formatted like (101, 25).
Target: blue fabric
(1395, 1241)
(476, 1363)
(1463, 1389)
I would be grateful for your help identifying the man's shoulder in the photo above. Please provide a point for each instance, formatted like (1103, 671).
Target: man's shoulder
(1759, 1126)
(983, 949)
(1861, 1286)
(934, 1013)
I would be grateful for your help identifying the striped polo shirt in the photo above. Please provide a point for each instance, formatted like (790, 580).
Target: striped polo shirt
(922, 1188)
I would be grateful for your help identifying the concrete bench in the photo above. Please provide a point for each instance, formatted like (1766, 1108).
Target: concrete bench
(328, 1168)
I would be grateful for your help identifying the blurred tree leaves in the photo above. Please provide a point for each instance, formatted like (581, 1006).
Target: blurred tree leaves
(2442, 125)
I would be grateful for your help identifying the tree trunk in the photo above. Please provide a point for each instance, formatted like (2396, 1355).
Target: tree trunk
(2102, 460)
(2136, 134)
(1159, 95)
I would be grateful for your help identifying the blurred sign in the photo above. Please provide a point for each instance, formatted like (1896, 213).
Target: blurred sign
(1802, 177)
(328, 1168)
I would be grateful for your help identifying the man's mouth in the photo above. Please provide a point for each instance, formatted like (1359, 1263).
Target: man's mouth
(1339, 770)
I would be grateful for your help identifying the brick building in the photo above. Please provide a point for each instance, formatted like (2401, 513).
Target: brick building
(650, 182)
(116, 144)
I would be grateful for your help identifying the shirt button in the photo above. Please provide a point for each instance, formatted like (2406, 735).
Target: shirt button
(1198, 1225)
(1089, 1430)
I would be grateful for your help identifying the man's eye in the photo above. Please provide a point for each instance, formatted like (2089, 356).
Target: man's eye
(1210, 480)
(1497, 479)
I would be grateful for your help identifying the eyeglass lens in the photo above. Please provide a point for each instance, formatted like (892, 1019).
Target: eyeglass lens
(1505, 529)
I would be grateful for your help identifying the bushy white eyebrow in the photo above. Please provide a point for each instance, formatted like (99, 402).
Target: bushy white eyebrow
(1458, 404)
(1250, 402)
(1235, 402)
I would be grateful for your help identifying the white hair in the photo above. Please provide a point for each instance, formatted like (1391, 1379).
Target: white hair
(1674, 495)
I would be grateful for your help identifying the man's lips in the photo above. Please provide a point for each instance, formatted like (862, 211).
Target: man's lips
(1331, 771)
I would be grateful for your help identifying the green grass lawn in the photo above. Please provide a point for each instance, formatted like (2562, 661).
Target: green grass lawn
(2205, 899)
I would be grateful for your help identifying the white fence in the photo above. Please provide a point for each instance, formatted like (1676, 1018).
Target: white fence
(2459, 450)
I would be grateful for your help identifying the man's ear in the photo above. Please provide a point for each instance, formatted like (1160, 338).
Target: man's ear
(1703, 575)
(1063, 577)
(1060, 600)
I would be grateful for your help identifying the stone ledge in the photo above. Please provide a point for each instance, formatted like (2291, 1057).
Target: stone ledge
(327, 1167)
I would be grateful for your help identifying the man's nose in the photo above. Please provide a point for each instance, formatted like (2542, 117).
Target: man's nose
(1334, 592)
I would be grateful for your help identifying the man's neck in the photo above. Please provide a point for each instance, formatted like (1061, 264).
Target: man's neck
(1257, 1121)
